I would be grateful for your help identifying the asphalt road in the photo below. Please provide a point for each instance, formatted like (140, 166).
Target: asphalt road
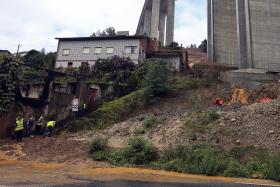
(148, 184)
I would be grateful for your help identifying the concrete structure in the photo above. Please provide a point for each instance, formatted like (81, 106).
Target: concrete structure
(157, 20)
(73, 52)
(245, 33)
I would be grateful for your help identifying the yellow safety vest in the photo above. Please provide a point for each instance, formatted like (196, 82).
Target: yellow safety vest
(19, 124)
(51, 124)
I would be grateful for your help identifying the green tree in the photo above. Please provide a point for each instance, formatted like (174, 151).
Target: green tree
(203, 46)
(156, 78)
(110, 31)
(9, 78)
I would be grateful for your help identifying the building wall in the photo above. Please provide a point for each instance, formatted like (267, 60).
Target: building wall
(265, 33)
(225, 34)
(76, 51)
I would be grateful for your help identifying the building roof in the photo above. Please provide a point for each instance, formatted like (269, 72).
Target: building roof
(121, 37)
(5, 51)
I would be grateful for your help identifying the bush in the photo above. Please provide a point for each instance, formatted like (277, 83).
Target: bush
(239, 153)
(139, 151)
(139, 131)
(98, 149)
(235, 169)
(212, 116)
(273, 168)
(150, 121)
(195, 159)
(156, 78)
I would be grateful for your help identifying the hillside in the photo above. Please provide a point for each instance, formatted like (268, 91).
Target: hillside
(184, 120)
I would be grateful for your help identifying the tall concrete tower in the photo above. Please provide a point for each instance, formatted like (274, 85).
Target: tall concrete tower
(157, 20)
(244, 33)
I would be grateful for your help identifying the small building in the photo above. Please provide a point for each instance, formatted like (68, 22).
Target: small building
(5, 53)
(74, 52)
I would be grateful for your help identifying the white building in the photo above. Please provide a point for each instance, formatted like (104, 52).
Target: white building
(73, 52)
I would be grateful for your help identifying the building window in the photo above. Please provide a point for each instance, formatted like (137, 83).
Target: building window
(84, 64)
(130, 49)
(86, 50)
(66, 52)
(70, 65)
(98, 50)
(109, 50)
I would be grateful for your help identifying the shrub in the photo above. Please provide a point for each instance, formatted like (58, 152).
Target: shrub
(235, 169)
(273, 167)
(156, 78)
(139, 151)
(139, 131)
(212, 115)
(195, 159)
(98, 144)
(150, 121)
(239, 153)
(98, 149)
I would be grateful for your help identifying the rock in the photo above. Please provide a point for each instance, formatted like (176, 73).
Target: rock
(233, 120)
(238, 142)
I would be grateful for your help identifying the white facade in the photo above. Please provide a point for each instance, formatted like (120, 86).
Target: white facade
(73, 52)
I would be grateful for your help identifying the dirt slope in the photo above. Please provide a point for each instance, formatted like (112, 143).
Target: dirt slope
(255, 124)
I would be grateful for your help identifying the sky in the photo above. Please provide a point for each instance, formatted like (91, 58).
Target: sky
(36, 23)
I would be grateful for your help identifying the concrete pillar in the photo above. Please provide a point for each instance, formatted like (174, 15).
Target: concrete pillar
(250, 60)
(170, 21)
(141, 29)
(241, 33)
(210, 30)
(162, 21)
(155, 18)
(147, 23)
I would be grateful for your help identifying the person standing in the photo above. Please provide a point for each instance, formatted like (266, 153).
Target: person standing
(50, 127)
(29, 125)
(19, 128)
(39, 126)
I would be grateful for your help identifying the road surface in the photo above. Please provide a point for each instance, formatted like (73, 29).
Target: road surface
(23, 173)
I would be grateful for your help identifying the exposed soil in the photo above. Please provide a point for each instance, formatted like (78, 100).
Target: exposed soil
(243, 122)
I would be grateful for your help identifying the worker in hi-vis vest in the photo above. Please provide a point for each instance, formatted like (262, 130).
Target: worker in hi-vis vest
(19, 128)
(50, 127)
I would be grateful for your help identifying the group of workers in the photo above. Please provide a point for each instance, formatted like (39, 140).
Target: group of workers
(25, 128)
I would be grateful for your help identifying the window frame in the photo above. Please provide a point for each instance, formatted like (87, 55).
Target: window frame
(84, 50)
(63, 50)
(130, 47)
(110, 48)
(97, 48)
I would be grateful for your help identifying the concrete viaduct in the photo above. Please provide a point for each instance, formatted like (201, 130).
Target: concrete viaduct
(245, 33)
(157, 20)
(241, 33)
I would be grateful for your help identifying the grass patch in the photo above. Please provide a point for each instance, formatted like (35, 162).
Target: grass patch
(139, 131)
(273, 167)
(199, 122)
(195, 159)
(150, 121)
(179, 83)
(199, 159)
(109, 113)
(235, 169)
(137, 152)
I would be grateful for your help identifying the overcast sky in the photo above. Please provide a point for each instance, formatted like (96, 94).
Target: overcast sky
(35, 23)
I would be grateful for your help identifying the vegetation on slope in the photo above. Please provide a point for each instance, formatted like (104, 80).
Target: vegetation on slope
(196, 159)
